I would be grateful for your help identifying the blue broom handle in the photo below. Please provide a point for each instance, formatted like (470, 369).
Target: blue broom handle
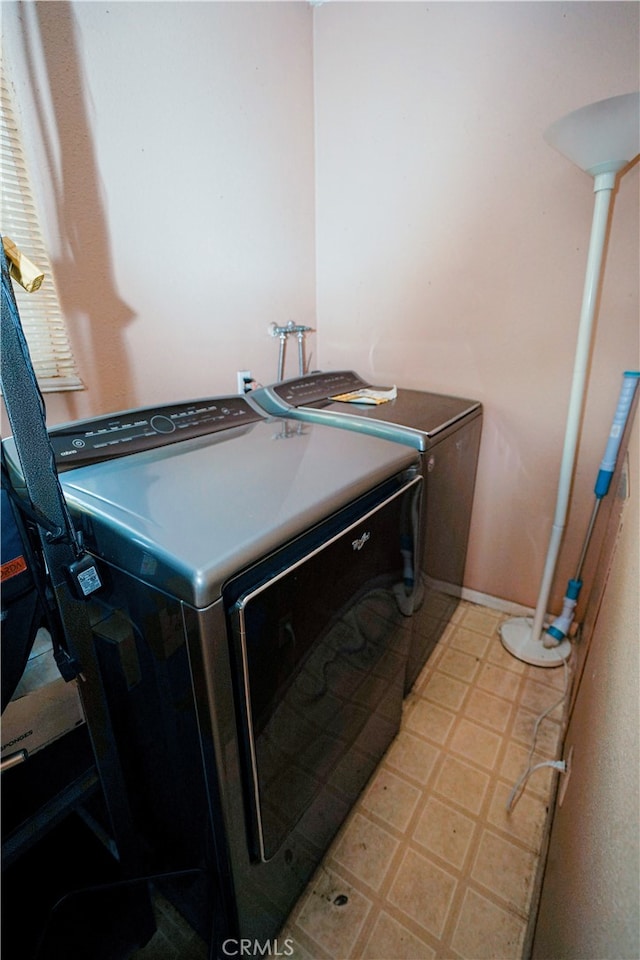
(608, 464)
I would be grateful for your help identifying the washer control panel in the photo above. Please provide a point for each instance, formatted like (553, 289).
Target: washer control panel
(314, 388)
(118, 434)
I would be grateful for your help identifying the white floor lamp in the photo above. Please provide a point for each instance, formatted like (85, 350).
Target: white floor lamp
(601, 139)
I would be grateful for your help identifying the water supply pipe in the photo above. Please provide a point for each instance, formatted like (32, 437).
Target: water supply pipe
(282, 333)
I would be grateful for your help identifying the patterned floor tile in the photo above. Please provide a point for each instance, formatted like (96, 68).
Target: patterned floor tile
(365, 849)
(444, 690)
(445, 832)
(462, 783)
(505, 869)
(434, 864)
(540, 698)
(391, 798)
(516, 764)
(525, 821)
(486, 931)
(457, 664)
(390, 939)
(423, 891)
(332, 914)
(412, 756)
(469, 642)
(497, 654)
(476, 743)
(480, 619)
(499, 681)
(487, 709)
(548, 732)
(429, 720)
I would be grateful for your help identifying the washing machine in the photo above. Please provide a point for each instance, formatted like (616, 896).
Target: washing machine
(253, 633)
(445, 431)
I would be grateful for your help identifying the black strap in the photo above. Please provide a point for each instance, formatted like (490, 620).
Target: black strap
(25, 409)
(64, 554)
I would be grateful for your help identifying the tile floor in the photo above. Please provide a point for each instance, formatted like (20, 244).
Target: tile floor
(429, 864)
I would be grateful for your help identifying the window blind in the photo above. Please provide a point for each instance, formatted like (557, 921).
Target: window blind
(42, 320)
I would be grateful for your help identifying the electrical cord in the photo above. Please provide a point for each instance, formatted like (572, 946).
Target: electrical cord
(560, 765)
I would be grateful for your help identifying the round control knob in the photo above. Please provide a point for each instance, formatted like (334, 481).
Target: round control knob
(162, 424)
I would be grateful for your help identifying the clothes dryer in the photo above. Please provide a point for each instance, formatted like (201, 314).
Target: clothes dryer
(445, 430)
(252, 635)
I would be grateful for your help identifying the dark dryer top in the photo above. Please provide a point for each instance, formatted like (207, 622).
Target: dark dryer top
(415, 417)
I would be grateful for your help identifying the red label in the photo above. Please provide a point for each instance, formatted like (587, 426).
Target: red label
(12, 568)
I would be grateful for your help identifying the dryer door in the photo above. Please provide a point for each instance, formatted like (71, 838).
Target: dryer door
(320, 639)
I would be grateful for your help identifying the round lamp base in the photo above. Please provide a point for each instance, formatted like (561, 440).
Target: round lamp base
(517, 638)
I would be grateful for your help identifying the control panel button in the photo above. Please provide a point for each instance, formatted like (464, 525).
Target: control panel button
(162, 424)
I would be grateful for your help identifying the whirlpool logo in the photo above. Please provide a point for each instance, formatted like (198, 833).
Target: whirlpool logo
(360, 542)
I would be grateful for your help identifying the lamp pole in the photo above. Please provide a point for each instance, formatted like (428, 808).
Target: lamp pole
(589, 137)
(603, 186)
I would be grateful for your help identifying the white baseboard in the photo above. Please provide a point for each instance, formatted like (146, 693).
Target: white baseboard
(483, 599)
(496, 603)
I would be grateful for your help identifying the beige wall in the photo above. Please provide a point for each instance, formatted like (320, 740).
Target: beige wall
(589, 907)
(452, 240)
(175, 161)
(199, 162)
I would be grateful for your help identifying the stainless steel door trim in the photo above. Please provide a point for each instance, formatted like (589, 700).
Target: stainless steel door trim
(241, 604)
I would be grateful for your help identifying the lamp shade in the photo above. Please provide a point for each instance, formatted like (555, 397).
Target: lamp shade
(602, 137)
